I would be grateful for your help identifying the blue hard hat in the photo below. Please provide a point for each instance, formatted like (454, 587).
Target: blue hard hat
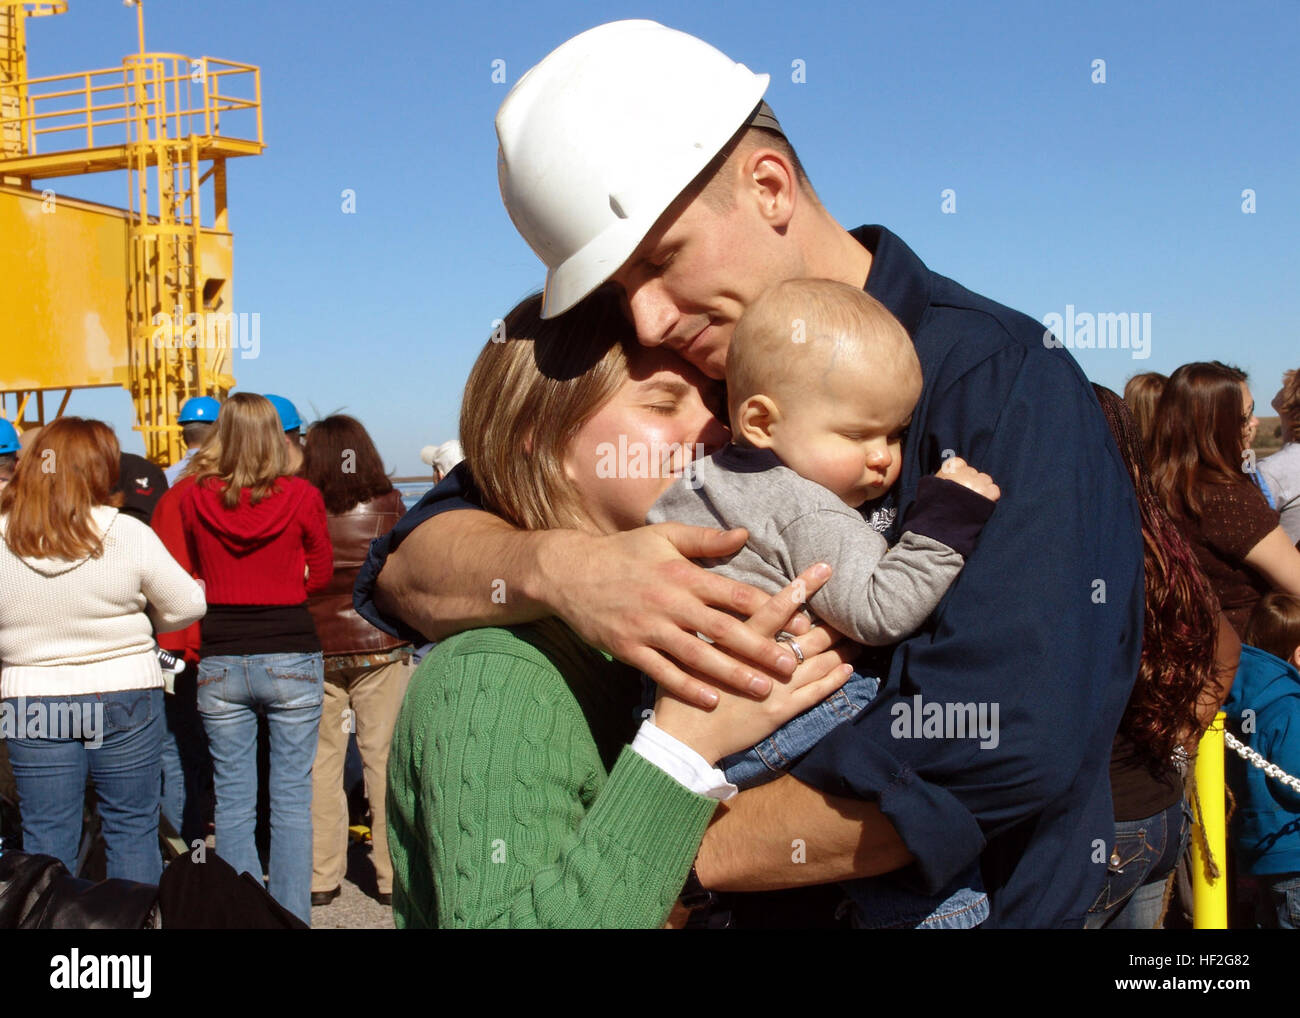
(8, 438)
(200, 408)
(289, 418)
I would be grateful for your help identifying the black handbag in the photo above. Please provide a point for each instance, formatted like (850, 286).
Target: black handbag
(38, 893)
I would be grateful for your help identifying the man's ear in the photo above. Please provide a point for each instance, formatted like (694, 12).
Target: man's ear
(755, 420)
(769, 179)
(1295, 658)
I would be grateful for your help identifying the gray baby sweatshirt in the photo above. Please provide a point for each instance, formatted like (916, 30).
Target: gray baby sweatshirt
(876, 595)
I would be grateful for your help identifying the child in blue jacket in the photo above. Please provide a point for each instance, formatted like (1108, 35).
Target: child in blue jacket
(1265, 707)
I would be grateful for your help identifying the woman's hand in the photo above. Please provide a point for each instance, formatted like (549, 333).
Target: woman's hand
(738, 722)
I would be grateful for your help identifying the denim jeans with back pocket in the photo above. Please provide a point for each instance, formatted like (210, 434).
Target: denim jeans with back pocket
(119, 746)
(1141, 862)
(289, 690)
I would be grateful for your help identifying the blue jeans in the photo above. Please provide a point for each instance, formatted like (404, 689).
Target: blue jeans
(879, 902)
(120, 748)
(185, 761)
(1281, 900)
(773, 756)
(885, 903)
(1142, 859)
(289, 689)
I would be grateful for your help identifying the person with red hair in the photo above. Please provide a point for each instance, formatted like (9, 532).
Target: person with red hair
(1189, 657)
(85, 588)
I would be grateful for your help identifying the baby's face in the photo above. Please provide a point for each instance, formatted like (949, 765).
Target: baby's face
(849, 437)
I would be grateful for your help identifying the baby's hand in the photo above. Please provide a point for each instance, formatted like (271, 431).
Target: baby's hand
(957, 469)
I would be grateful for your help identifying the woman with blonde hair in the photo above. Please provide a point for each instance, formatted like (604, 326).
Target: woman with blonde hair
(84, 588)
(257, 538)
(514, 797)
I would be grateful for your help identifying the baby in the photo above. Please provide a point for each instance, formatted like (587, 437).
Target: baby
(822, 381)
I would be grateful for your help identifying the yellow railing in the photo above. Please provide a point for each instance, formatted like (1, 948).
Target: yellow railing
(183, 97)
(1210, 874)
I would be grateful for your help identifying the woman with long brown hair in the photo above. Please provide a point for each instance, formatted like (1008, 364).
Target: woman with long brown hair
(1201, 465)
(366, 670)
(84, 588)
(257, 538)
(1189, 656)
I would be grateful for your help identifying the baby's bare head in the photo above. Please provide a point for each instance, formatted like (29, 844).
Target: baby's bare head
(816, 339)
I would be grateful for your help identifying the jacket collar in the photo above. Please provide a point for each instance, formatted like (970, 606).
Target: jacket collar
(898, 278)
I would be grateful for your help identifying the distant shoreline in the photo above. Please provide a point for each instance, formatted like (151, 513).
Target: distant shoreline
(426, 478)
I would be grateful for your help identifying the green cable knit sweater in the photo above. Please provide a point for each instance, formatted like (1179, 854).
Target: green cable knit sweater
(513, 799)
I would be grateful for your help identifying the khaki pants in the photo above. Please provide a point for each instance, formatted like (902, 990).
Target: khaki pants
(367, 699)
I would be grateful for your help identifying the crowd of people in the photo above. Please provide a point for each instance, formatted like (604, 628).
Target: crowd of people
(218, 599)
(769, 591)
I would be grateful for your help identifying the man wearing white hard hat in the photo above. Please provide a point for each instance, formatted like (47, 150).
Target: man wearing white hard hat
(641, 156)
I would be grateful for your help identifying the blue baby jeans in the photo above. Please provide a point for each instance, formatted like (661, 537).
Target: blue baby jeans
(883, 902)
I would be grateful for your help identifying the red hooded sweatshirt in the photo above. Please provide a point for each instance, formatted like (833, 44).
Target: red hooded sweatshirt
(252, 561)
(256, 554)
(166, 523)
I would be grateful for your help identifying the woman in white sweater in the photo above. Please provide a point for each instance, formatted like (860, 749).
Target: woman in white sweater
(84, 588)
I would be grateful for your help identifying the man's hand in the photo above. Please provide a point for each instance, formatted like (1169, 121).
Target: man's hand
(957, 469)
(636, 595)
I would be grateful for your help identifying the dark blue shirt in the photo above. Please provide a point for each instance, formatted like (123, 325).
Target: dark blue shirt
(1041, 631)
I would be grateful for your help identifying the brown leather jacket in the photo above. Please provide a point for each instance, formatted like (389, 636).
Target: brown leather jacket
(340, 628)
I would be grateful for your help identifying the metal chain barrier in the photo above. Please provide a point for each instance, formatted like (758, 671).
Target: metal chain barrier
(1250, 756)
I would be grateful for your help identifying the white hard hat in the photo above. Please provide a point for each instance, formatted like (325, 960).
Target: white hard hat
(599, 138)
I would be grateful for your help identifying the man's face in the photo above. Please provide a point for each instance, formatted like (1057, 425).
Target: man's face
(693, 276)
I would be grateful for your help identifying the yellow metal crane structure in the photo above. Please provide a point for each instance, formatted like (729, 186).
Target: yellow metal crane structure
(140, 297)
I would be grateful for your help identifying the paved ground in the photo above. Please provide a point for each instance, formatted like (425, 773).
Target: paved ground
(355, 908)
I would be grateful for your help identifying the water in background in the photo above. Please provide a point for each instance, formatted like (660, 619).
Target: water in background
(413, 491)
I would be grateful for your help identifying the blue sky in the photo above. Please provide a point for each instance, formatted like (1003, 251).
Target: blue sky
(1115, 197)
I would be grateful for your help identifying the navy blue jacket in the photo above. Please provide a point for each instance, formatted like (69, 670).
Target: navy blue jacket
(1045, 621)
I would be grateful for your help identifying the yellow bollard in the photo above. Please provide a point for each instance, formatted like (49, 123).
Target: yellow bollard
(1210, 893)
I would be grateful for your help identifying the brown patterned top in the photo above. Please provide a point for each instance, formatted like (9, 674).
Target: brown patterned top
(1235, 519)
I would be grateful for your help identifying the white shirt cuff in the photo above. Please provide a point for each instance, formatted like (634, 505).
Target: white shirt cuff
(680, 762)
